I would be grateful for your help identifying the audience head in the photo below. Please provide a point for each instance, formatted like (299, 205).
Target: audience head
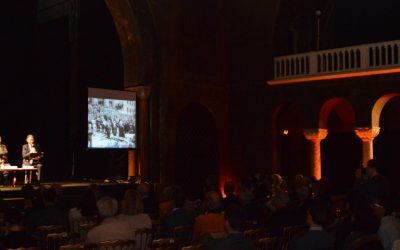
(317, 212)
(87, 203)
(246, 194)
(179, 197)
(144, 189)
(107, 207)
(132, 203)
(234, 219)
(167, 194)
(212, 202)
(372, 168)
(276, 180)
(229, 188)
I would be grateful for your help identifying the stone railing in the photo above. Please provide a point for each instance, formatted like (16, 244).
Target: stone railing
(366, 57)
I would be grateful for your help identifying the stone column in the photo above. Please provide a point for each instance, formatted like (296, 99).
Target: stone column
(367, 136)
(142, 114)
(315, 136)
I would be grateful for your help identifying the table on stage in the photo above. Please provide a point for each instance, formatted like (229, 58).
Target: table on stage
(27, 169)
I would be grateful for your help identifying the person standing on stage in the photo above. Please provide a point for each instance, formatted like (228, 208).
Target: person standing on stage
(3, 153)
(32, 154)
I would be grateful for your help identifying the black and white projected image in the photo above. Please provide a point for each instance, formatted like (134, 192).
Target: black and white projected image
(111, 123)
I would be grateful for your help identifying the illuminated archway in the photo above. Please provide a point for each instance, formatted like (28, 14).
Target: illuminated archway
(341, 150)
(344, 119)
(386, 116)
(196, 148)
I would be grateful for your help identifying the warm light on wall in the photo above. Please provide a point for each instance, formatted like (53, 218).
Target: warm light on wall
(285, 132)
(227, 177)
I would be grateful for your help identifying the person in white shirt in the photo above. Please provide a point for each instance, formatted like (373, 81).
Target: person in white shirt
(110, 227)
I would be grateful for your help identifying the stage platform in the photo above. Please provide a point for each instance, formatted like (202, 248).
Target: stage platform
(71, 190)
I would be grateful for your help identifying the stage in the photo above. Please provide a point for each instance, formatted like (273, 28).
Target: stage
(71, 190)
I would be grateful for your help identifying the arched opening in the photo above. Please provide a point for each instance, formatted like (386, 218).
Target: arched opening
(341, 150)
(292, 150)
(386, 151)
(196, 148)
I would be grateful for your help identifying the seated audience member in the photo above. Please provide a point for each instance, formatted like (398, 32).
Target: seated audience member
(376, 186)
(316, 237)
(32, 199)
(281, 214)
(358, 224)
(61, 202)
(389, 228)
(16, 236)
(86, 209)
(178, 215)
(110, 227)
(234, 224)
(231, 199)
(132, 211)
(147, 195)
(166, 204)
(49, 214)
(253, 209)
(213, 221)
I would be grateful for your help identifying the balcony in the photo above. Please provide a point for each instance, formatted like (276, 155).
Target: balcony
(354, 61)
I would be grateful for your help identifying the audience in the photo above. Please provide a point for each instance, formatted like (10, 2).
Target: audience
(264, 201)
(389, 227)
(132, 211)
(178, 215)
(85, 210)
(49, 214)
(316, 238)
(212, 221)
(230, 198)
(234, 224)
(110, 227)
(15, 235)
(146, 193)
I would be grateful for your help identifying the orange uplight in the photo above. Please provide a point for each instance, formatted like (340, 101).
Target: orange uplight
(224, 179)
(331, 76)
(285, 132)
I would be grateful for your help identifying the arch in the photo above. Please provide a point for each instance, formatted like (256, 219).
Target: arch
(196, 147)
(383, 54)
(128, 35)
(352, 59)
(278, 69)
(335, 61)
(287, 68)
(358, 58)
(378, 107)
(390, 54)
(341, 60)
(344, 110)
(319, 63)
(371, 57)
(341, 150)
(288, 140)
(377, 56)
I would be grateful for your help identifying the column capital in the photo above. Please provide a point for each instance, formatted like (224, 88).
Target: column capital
(367, 134)
(315, 134)
(143, 92)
